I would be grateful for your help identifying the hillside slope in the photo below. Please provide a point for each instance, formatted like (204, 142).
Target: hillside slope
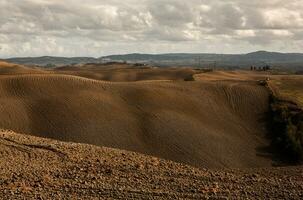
(13, 69)
(205, 124)
(126, 72)
(36, 168)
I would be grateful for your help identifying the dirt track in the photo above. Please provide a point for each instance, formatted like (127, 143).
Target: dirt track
(36, 168)
(202, 123)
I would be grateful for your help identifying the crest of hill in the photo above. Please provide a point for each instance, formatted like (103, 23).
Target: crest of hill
(127, 72)
(4, 64)
(7, 68)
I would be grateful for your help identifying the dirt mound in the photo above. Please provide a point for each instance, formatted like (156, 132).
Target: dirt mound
(205, 124)
(36, 168)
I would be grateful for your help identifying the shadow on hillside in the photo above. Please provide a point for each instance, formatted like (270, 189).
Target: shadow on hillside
(271, 151)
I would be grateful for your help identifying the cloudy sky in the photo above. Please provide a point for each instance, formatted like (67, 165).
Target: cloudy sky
(102, 27)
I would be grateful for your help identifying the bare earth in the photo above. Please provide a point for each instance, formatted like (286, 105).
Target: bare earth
(47, 169)
(215, 126)
(205, 124)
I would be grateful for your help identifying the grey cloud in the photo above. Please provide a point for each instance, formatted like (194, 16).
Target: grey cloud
(172, 13)
(155, 26)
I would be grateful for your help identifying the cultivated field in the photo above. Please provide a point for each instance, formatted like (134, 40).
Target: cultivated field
(164, 132)
(205, 124)
(290, 88)
(37, 168)
(126, 72)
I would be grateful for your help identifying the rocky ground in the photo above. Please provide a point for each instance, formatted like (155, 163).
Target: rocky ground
(36, 168)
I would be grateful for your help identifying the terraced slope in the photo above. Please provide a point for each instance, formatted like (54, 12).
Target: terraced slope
(202, 123)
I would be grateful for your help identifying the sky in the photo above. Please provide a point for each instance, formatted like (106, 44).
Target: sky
(103, 27)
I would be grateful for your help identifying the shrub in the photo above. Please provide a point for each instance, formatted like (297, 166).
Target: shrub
(287, 128)
(189, 78)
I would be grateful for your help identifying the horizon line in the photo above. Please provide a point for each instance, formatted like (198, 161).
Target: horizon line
(134, 53)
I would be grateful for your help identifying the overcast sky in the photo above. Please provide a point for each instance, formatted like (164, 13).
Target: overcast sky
(102, 27)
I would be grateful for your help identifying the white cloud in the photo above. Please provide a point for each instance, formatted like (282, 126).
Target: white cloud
(283, 18)
(245, 33)
(98, 27)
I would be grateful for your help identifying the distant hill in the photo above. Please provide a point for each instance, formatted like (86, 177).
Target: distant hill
(49, 60)
(259, 58)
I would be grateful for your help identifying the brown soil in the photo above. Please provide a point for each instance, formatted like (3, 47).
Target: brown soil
(126, 73)
(205, 124)
(36, 168)
(215, 122)
(239, 75)
(14, 69)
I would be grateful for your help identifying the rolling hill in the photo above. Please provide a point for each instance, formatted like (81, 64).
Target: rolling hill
(202, 123)
(51, 60)
(290, 61)
(114, 131)
(259, 58)
(127, 73)
(7, 68)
